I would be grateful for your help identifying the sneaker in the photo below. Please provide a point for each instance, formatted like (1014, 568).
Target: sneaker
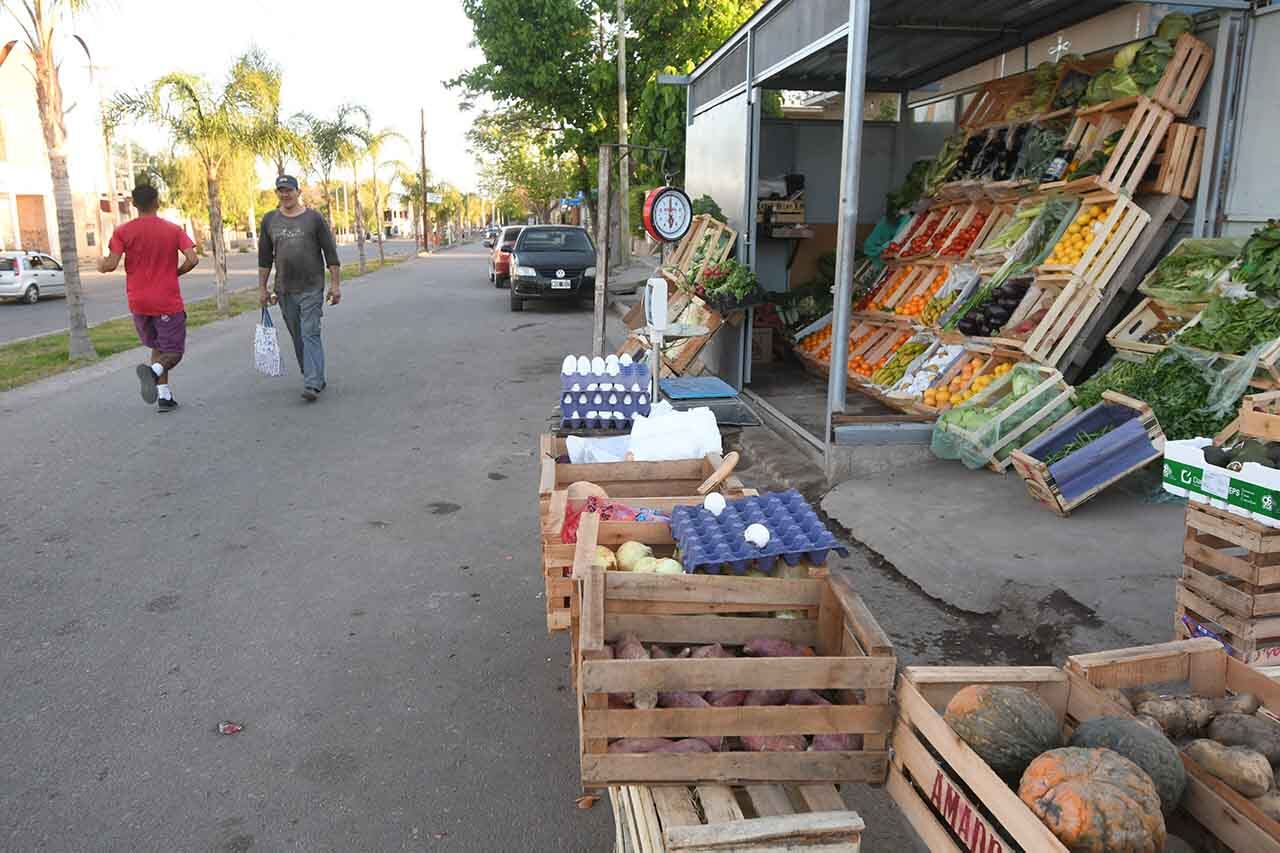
(166, 406)
(310, 394)
(147, 383)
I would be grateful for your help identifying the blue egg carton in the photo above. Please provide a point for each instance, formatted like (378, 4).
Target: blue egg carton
(628, 377)
(716, 545)
(613, 424)
(626, 394)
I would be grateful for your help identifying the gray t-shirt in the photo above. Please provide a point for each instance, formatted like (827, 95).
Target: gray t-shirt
(299, 246)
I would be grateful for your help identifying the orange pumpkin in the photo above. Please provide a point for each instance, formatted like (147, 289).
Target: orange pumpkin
(1095, 801)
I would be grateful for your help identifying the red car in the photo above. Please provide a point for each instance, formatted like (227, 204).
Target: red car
(500, 260)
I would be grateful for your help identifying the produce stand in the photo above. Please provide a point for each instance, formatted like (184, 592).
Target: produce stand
(1147, 329)
(853, 657)
(668, 819)
(1210, 672)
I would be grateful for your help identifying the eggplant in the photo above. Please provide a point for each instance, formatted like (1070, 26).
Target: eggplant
(967, 327)
(998, 314)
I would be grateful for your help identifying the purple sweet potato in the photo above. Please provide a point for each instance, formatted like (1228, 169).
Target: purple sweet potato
(768, 647)
(689, 744)
(640, 744)
(726, 698)
(766, 697)
(806, 697)
(715, 650)
(630, 648)
(690, 700)
(835, 743)
(774, 743)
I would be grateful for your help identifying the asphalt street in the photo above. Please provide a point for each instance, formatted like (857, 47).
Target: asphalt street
(354, 580)
(105, 297)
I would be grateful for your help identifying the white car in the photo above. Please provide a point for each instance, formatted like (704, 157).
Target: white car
(26, 276)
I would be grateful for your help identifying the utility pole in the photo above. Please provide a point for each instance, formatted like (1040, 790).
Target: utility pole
(624, 163)
(422, 143)
(602, 255)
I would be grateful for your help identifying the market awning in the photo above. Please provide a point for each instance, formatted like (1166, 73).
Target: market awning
(802, 44)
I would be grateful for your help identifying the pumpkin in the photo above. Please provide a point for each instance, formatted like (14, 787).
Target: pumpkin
(1007, 726)
(1145, 747)
(1095, 800)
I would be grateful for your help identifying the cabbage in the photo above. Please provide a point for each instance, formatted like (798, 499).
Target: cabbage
(1174, 25)
(646, 566)
(1150, 63)
(630, 553)
(668, 566)
(605, 558)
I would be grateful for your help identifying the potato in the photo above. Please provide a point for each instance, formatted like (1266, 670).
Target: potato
(1244, 769)
(1246, 730)
(1179, 717)
(1269, 804)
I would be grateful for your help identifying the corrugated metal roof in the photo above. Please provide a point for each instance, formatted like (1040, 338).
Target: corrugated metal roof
(915, 42)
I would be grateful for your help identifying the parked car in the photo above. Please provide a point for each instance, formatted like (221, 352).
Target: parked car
(500, 260)
(490, 236)
(552, 262)
(27, 276)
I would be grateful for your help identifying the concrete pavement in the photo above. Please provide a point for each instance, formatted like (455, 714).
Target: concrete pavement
(105, 298)
(353, 580)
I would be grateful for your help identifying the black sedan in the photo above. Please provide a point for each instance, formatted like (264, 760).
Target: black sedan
(552, 262)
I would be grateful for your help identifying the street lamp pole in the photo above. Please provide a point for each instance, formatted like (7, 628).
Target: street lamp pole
(422, 145)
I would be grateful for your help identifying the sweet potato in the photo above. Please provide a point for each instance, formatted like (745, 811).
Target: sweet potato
(1179, 716)
(774, 743)
(677, 699)
(768, 647)
(726, 698)
(715, 650)
(1244, 769)
(689, 744)
(640, 744)
(630, 648)
(1245, 730)
(658, 652)
(806, 697)
(835, 743)
(765, 697)
(1269, 804)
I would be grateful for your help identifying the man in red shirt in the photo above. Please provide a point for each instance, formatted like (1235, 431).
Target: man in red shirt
(150, 246)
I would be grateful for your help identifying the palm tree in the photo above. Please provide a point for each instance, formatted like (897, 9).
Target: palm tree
(330, 139)
(38, 20)
(213, 124)
(373, 147)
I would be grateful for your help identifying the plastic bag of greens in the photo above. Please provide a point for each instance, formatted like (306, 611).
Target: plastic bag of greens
(1006, 415)
(1190, 273)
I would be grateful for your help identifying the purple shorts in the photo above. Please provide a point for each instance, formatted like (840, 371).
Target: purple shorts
(163, 333)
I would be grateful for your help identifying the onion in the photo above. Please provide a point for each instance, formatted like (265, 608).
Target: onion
(646, 566)
(668, 566)
(605, 558)
(630, 553)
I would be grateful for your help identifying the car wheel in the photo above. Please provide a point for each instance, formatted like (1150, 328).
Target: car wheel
(517, 304)
(32, 295)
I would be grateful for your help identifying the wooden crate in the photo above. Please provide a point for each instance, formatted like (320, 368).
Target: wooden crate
(1178, 163)
(705, 818)
(991, 212)
(707, 234)
(780, 211)
(1231, 582)
(1120, 230)
(1144, 124)
(992, 101)
(1232, 819)
(1067, 315)
(1148, 319)
(854, 658)
(927, 226)
(626, 479)
(953, 800)
(1040, 480)
(1184, 76)
(1260, 416)
(991, 357)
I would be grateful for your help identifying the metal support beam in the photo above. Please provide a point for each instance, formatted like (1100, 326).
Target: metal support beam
(1230, 60)
(847, 224)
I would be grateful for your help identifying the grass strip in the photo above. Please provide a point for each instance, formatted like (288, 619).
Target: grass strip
(27, 361)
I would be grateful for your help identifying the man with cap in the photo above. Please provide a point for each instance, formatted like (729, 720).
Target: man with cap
(300, 244)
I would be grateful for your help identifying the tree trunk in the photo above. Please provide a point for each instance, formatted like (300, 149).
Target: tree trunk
(219, 244)
(377, 215)
(355, 175)
(328, 202)
(49, 102)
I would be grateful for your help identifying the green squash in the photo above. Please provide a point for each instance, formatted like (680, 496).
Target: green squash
(1007, 726)
(1148, 749)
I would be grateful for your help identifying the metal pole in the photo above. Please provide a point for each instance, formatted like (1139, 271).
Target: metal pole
(422, 144)
(847, 226)
(602, 255)
(624, 164)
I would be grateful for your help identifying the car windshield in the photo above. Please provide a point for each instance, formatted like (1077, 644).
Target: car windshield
(555, 240)
(8, 265)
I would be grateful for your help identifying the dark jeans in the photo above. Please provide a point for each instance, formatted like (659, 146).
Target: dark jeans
(302, 312)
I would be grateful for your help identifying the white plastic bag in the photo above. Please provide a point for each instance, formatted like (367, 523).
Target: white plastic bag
(667, 435)
(266, 347)
(588, 450)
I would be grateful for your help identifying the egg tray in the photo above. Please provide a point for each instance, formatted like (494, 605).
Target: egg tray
(716, 544)
(611, 425)
(628, 376)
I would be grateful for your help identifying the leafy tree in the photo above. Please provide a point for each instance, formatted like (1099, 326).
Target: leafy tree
(39, 21)
(215, 124)
(373, 145)
(330, 139)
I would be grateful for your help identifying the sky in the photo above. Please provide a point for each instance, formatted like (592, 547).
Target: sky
(391, 56)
